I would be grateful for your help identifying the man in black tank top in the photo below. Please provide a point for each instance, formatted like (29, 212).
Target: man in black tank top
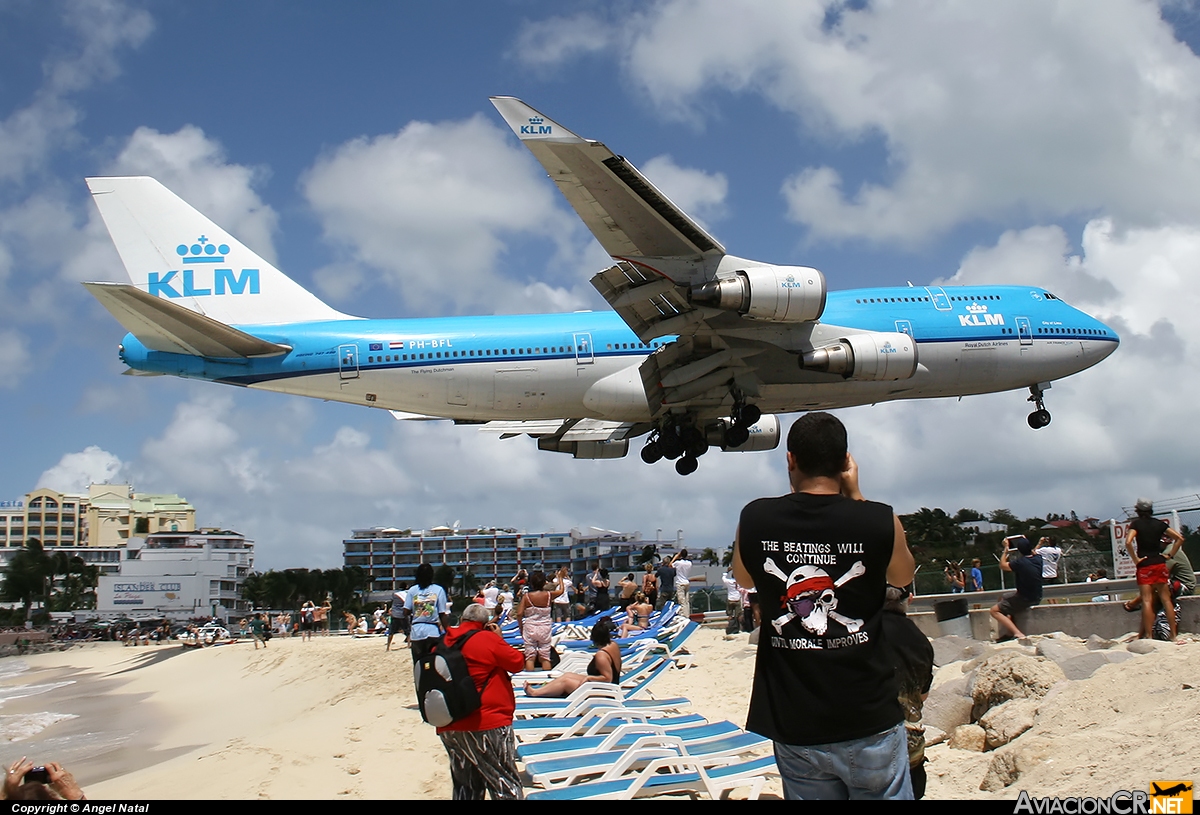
(824, 687)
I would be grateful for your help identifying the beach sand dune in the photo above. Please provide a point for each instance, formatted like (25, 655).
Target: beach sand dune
(336, 718)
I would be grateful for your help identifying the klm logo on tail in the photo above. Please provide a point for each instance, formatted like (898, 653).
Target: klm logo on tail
(220, 282)
(536, 127)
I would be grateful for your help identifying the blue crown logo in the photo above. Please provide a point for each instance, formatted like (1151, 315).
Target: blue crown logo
(536, 120)
(202, 251)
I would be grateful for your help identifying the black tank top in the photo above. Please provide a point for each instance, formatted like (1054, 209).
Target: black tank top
(819, 564)
(1149, 538)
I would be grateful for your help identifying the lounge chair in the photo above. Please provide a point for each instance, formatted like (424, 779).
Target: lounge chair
(645, 748)
(621, 738)
(597, 722)
(679, 774)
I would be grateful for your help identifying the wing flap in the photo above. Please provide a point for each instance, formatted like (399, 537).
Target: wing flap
(563, 429)
(161, 325)
(652, 305)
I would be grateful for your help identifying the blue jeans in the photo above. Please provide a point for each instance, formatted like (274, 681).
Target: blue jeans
(874, 768)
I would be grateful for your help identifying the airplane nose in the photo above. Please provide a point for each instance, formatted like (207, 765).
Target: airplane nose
(1102, 348)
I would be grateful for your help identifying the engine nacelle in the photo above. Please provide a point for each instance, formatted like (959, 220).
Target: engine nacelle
(764, 435)
(586, 449)
(874, 357)
(776, 294)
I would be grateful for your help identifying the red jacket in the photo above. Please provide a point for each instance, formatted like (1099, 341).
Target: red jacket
(492, 661)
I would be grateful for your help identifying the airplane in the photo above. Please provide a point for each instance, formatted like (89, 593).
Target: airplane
(1172, 791)
(701, 349)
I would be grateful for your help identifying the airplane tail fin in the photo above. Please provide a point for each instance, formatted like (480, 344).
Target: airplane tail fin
(173, 252)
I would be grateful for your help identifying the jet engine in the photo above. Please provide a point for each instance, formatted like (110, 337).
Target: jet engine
(764, 435)
(776, 294)
(874, 357)
(586, 449)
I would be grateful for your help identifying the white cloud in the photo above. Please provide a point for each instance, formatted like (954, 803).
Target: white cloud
(699, 194)
(202, 451)
(103, 27)
(985, 112)
(15, 358)
(433, 207)
(546, 43)
(75, 471)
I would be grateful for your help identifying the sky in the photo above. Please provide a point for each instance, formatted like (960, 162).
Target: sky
(1033, 142)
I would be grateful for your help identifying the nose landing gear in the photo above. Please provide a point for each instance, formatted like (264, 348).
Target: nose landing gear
(1040, 417)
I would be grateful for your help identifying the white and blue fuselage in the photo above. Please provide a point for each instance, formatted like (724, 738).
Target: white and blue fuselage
(969, 340)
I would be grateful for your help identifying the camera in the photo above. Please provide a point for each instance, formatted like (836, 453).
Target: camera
(37, 774)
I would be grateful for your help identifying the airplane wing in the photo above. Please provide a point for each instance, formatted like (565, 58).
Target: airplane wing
(626, 213)
(161, 325)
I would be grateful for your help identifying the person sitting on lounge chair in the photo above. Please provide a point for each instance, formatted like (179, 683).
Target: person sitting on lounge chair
(604, 667)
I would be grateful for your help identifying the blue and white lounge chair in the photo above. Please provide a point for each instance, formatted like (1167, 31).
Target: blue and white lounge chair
(597, 722)
(679, 774)
(622, 738)
(645, 748)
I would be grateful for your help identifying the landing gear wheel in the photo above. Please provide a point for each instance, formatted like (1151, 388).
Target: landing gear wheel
(1039, 419)
(736, 436)
(748, 415)
(670, 445)
(686, 465)
(695, 443)
(651, 452)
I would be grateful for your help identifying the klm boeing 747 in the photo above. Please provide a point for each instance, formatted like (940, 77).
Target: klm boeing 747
(702, 349)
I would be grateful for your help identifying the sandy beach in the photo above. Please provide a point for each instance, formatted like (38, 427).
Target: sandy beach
(335, 717)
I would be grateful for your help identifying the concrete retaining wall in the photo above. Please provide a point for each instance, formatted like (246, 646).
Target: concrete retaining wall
(1109, 620)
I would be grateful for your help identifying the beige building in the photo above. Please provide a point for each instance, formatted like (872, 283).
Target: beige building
(108, 516)
(115, 513)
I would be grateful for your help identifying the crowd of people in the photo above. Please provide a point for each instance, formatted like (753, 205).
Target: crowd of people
(841, 672)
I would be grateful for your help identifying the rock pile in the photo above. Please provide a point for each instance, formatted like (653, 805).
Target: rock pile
(996, 692)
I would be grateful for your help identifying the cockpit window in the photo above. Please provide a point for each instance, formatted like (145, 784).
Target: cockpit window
(1049, 296)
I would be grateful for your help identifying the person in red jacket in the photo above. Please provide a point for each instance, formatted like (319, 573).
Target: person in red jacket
(481, 746)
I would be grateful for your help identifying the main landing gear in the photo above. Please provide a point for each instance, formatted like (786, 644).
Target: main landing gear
(1040, 417)
(741, 418)
(679, 439)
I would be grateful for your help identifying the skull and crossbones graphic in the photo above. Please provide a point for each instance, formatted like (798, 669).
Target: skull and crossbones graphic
(810, 596)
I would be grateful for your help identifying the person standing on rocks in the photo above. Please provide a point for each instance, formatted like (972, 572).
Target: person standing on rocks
(1145, 545)
(1051, 553)
(912, 654)
(1027, 571)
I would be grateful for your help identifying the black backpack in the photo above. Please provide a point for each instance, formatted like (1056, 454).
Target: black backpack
(445, 690)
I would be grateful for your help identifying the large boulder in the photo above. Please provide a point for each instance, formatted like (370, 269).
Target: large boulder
(1058, 651)
(1098, 643)
(952, 648)
(969, 737)
(948, 706)
(1147, 646)
(1009, 764)
(1084, 665)
(1005, 722)
(1011, 675)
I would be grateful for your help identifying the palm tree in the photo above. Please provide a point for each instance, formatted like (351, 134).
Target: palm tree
(27, 576)
(254, 590)
(709, 556)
